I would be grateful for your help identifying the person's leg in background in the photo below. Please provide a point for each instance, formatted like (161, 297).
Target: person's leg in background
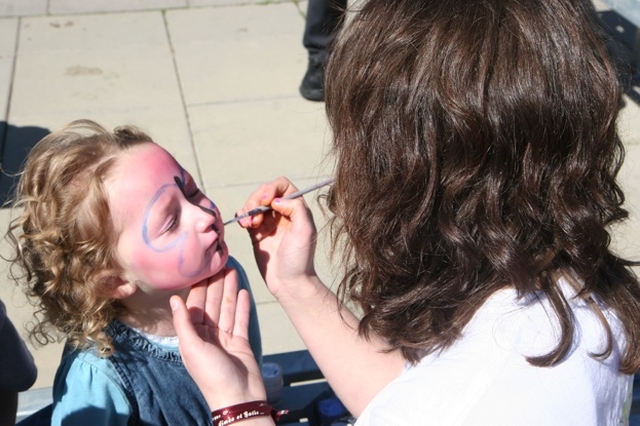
(323, 21)
(18, 371)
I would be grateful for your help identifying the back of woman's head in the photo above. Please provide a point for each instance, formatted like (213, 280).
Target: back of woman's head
(63, 233)
(476, 148)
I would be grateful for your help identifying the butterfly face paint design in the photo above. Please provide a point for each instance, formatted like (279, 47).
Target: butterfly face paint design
(172, 234)
(210, 210)
(178, 242)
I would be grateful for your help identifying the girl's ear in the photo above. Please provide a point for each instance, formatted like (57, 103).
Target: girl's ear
(115, 287)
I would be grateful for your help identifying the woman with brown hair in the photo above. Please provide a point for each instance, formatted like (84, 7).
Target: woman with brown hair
(476, 161)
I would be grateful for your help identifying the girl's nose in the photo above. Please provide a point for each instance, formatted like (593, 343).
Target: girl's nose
(206, 218)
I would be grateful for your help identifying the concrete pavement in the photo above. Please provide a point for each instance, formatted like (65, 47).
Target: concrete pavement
(213, 81)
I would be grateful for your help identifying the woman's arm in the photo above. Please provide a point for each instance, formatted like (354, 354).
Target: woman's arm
(284, 247)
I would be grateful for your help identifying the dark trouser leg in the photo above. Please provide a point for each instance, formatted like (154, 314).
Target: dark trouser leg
(323, 21)
(8, 407)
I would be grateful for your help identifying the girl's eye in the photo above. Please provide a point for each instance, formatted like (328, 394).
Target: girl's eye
(173, 225)
(194, 193)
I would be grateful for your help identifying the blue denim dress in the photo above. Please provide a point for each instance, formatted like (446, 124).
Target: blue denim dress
(142, 383)
(157, 385)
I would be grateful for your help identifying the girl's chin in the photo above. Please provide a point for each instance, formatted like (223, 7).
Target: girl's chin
(219, 261)
(223, 250)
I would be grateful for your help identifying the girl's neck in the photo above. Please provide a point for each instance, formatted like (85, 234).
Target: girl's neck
(151, 322)
(150, 314)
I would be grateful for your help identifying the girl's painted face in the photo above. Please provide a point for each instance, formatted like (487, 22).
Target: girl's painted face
(172, 235)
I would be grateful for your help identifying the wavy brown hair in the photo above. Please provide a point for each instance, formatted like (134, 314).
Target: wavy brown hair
(63, 234)
(476, 149)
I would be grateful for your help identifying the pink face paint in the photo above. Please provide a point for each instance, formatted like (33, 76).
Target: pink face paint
(172, 235)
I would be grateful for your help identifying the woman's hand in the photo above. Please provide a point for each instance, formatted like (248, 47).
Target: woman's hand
(212, 329)
(284, 243)
(284, 239)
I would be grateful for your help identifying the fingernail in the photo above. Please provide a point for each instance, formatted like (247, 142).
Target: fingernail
(264, 196)
(174, 304)
(277, 201)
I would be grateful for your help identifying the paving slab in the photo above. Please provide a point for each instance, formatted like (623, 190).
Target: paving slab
(250, 142)
(277, 332)
(23, 7)
(200, 3)
(112, 68)
(98, 6)
(8, 37)
(92, 63)
(231, 53)
(629, 119)
(626, 237)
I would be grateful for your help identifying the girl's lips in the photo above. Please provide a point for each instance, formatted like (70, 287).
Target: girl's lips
(220, 249)
(217, 245)
(218, 237)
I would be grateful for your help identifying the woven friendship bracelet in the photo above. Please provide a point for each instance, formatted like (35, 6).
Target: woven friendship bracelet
(246, 410)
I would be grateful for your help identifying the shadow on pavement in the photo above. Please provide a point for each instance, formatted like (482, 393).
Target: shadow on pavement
(15, 144)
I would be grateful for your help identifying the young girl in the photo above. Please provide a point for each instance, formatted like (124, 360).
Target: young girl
(476, 160)
(110, 227)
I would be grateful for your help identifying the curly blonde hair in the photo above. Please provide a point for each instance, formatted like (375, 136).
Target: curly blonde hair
(63, 235)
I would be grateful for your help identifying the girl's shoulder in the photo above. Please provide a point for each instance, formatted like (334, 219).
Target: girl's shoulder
(86, 365)
(87, 387)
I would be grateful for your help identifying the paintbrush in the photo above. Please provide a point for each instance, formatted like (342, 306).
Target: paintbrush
(291, 196)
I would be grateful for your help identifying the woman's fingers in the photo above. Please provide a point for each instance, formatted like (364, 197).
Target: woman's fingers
(226, 306)
(214, 298)
(182, 322)
(241, 324)
(263, 196)
(215, 304)
(196, 302)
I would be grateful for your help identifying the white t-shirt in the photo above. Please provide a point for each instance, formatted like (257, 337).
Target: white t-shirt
(484, 379)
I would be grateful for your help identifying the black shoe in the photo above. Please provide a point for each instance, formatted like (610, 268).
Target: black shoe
(312, 87)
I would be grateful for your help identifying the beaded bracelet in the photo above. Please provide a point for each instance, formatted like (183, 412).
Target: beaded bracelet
(246, 410)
